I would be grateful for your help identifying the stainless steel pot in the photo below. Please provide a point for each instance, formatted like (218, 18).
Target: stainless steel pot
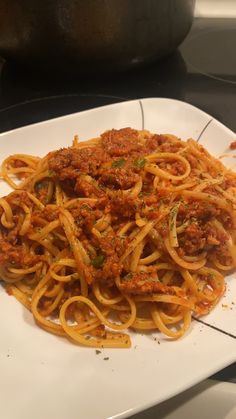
(92, 35)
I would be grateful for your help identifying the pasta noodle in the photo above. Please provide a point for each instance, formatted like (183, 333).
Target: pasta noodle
(130, 230)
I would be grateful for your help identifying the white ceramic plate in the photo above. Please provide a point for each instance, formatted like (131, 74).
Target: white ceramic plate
(209, 399)
(44, 376)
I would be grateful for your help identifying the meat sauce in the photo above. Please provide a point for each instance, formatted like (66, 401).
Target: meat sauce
(116, 165)
(233, 145)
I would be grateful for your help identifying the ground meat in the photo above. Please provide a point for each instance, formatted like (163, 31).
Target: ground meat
(119, 178)
(12, 234)
(124, 205)
(112, 244)
(163, 229)
(152, 214)
(16, 199)
(50, 213)
(142, 283)
(213, 235)
(18, 163)
(199, 237)
(86, 215)
(176, 168)
(70, 162)
(161, 143)
(110, 270)
(100, 162)
(233, 145)
(15, 255)
(87, 189)
(154, 142)
(150, 200)
(120, 142)
(111, 247)
(229, 183)
(169, 147)
(222, 255)
(199, 210)
(103, 164)
(193, 240)
(211, 191)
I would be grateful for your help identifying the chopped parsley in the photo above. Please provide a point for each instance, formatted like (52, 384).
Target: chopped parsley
(128, 276)
(40, 185)
(86, 207)
(140, 163)
(144, 193)
(51, 173)
(97, 262)
(117, 164)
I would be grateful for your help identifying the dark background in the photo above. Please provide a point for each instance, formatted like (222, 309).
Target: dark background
(202, 72)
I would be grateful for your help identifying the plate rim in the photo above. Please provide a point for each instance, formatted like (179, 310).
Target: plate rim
(113, 105)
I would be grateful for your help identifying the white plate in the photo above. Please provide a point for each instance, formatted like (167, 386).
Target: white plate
(42, 375)
(209, 399)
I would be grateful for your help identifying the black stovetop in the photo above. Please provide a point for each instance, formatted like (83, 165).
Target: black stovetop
(202, 72)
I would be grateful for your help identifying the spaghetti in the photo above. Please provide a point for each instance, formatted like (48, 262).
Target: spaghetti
(130, 230)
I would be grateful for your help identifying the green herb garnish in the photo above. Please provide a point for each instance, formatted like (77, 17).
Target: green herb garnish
(86, 207)
(139, 163)
(97, 262)
(128, 276)
(118, 163)
(40, 185)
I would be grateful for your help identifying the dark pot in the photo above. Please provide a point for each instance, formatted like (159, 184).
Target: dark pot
(92, 35)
